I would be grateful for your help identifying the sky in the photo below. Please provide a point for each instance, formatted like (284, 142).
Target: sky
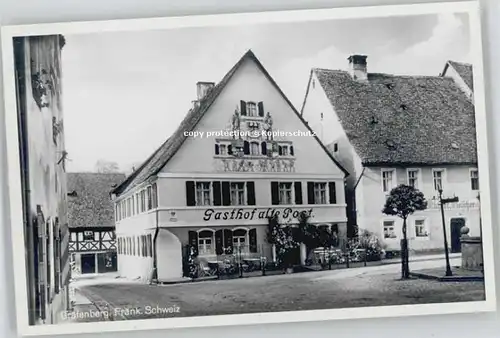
(126, 92)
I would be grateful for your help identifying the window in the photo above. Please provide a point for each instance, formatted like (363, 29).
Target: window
(237, 190)
(421, 229)
(203, 193)
(389, 230)
(285, 193)
(320, 193)
(437, 176)
(240, 238)
(155, 195)
(474, 179)
(206, 242)
(149, 197)
(387, 180)
(335, 147)
(251, 109)
(143, 200)
(222, 149)
(413, 177)
(133, 205)
(284, 151)
(254, 148)
(88, 235)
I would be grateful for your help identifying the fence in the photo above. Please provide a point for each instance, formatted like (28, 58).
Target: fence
(245, 261)
(234, 262)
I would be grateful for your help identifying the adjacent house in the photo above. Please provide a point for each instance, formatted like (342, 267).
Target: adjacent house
(42, 159)
(388, 130)
(241, 154)
(91, 221)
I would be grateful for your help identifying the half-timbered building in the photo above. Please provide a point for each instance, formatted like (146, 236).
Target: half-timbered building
(91, 221)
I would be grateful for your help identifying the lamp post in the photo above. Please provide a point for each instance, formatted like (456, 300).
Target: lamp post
(442, 202)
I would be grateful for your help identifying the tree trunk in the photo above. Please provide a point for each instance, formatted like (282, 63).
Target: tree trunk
(405, 266)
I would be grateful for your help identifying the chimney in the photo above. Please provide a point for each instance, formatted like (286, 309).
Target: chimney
(202, 88)
(357, 67)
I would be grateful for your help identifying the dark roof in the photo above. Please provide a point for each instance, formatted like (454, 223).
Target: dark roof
(168, 149)
(89, 200)
(403, 120)
(464, 70)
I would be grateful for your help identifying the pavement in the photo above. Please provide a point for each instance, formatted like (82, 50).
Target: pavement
(343, 288)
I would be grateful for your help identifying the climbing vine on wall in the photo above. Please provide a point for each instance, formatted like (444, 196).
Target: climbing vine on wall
(42, 85)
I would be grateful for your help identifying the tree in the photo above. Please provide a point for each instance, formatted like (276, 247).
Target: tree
(106, 167)
(403, 201)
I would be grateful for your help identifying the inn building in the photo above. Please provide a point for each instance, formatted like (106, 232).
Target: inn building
(388, 130)
(215, 194)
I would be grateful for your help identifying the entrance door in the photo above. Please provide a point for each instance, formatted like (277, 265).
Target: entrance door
(456, 224)
(106, 262)
(88, 263)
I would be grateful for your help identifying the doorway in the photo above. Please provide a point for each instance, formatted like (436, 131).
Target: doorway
(456, 225)
(88, 263)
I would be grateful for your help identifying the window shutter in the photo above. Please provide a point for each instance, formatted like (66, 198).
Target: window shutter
(218, 243)
(252, 239)
(250, 193)
(310, 192)
(291, 150)
(230, 149)
(280, 150)
(217, 193)
(243, 108)
(246, 148)
(228, 241)
(216, 149)
(261, 108)
(333, 193)
(190, 194)
(193, 241)
(275, 199)
(298, 192)
(263, 147)
(226, 196)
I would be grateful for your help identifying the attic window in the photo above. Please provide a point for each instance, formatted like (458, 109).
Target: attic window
(455, 146)
(389, 85)
(313, 83)
(403, 107)
(390, 144)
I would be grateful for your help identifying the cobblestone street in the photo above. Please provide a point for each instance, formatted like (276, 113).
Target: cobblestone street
(371, 286)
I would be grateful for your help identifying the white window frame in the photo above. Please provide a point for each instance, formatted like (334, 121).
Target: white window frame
(443, 178)
(426, 227)
(471, 170)
(315, 189)
(210, 192)
(285, 150)
(393, 178)
(418, 178)
(292, 193)
(212, 252)
(395, 225)
(254, 111)
(254, 151)
(222, 146)
(246, 245)
(244, 191)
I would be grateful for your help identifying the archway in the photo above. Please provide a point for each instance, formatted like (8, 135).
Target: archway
(169, 256)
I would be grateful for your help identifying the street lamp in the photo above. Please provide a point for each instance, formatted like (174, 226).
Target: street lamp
(442, 202)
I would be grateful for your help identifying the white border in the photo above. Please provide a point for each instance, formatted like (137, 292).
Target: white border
(470, 7)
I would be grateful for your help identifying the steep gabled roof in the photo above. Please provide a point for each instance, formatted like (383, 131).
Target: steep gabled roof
(464, 70)
(168, 149)
(89, 203)
(403, 120)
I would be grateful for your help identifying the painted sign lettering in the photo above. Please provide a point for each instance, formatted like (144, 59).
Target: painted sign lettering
(251, 214)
